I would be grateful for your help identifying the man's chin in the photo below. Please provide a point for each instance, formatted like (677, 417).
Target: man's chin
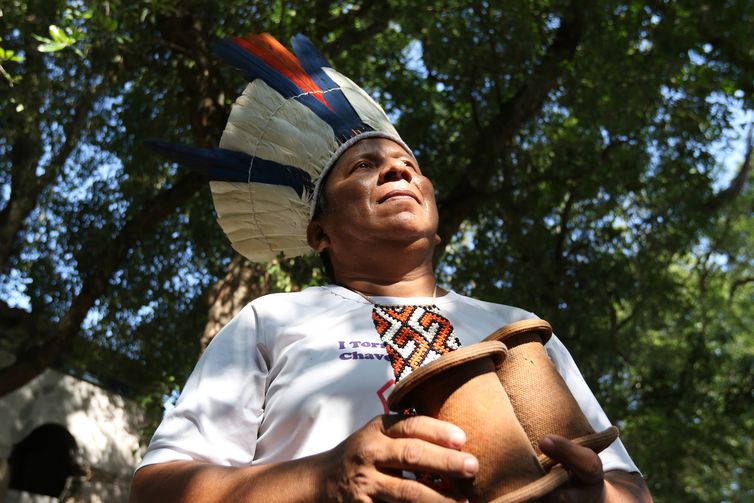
(411, 236)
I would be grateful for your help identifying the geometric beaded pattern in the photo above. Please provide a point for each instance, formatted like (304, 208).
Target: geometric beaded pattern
(413, 336)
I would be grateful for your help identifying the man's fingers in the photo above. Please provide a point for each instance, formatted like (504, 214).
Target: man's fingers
(398, 490)
(419, 455)
(582, 462)
(426, 444)
(369, 463)
(425, 428)
(419, 443)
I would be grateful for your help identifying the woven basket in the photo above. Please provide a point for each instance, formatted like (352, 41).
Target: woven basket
(540, 397)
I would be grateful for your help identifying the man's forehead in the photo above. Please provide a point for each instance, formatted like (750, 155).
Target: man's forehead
(374, 143)
(374, 146)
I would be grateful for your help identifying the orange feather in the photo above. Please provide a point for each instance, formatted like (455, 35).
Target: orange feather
(273, 53)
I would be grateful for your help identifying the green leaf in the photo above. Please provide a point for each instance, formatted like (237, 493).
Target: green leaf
(57, 34)
(75, 34)
(52, 47)
(110, 24)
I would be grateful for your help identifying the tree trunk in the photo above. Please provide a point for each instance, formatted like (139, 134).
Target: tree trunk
(243, 282)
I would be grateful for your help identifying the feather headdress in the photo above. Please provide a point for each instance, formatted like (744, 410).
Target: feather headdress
(295, 118)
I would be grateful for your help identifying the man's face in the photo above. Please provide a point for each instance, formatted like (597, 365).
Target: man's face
(377, 191)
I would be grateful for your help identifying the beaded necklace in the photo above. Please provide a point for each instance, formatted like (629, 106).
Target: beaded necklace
(413, 335)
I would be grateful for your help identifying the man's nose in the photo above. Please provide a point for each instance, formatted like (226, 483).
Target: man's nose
(394, 171)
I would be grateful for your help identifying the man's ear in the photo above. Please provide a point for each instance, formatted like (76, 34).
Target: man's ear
(438, 239)
(316, 236)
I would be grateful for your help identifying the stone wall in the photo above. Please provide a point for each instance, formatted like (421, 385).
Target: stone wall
(105, 427)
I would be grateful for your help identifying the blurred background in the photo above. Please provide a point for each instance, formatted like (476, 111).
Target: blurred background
(592, 161)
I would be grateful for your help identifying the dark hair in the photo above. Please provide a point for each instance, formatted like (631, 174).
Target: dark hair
(321, 202)
(320, 206)
(327, 266)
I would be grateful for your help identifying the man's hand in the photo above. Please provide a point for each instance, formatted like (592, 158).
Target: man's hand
(364, 467)
(588, 483)
(367, 465)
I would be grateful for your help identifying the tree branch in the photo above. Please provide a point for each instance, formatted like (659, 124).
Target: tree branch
(615, 328)
(736, 186)
(360, 12)
(738, 284)
(491, 36)
(31, 362)
(530, 97)
(26, 186)
(565, 216)
(494, 143)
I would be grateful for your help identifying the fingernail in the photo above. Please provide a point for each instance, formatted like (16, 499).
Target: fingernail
(546, 442)
(470, 465)
(457, 437)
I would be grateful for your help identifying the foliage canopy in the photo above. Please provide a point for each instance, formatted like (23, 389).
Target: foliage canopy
(576, 151)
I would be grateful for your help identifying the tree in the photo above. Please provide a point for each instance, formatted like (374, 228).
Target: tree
(574, 147)
(107, 263)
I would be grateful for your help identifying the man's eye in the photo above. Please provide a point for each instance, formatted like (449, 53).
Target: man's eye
(363, 164)
(411, 165)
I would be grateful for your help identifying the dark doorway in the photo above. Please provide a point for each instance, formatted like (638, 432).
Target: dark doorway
(42, 462)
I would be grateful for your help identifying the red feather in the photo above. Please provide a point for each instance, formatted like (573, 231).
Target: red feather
(273, 53)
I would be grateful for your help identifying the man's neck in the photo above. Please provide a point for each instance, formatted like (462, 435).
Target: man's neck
(405, 274)
(418, 287)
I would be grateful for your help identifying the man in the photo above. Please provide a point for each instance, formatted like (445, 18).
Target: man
(287, 403)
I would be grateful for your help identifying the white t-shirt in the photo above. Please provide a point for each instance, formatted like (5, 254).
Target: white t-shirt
(294, 374)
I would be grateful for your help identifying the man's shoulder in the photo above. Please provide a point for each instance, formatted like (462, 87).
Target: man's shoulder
(505, 311)
(309, 299)
(275, 310)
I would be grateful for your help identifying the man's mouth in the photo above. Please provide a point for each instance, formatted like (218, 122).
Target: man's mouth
(398, 194)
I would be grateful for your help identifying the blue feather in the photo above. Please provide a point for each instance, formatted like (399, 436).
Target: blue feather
(252, 67)
(225, 165)
(307, 54)
(313, 62)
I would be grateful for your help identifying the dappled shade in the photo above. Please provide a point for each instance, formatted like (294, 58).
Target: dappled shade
(589, 160)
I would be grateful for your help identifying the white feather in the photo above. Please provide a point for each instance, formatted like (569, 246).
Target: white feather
(264, 124)
(261, 220)
(369, 110)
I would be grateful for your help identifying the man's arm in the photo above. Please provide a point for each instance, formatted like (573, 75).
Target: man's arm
(625, 486)
(194, 481)
(365, 467)
(588, 483)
